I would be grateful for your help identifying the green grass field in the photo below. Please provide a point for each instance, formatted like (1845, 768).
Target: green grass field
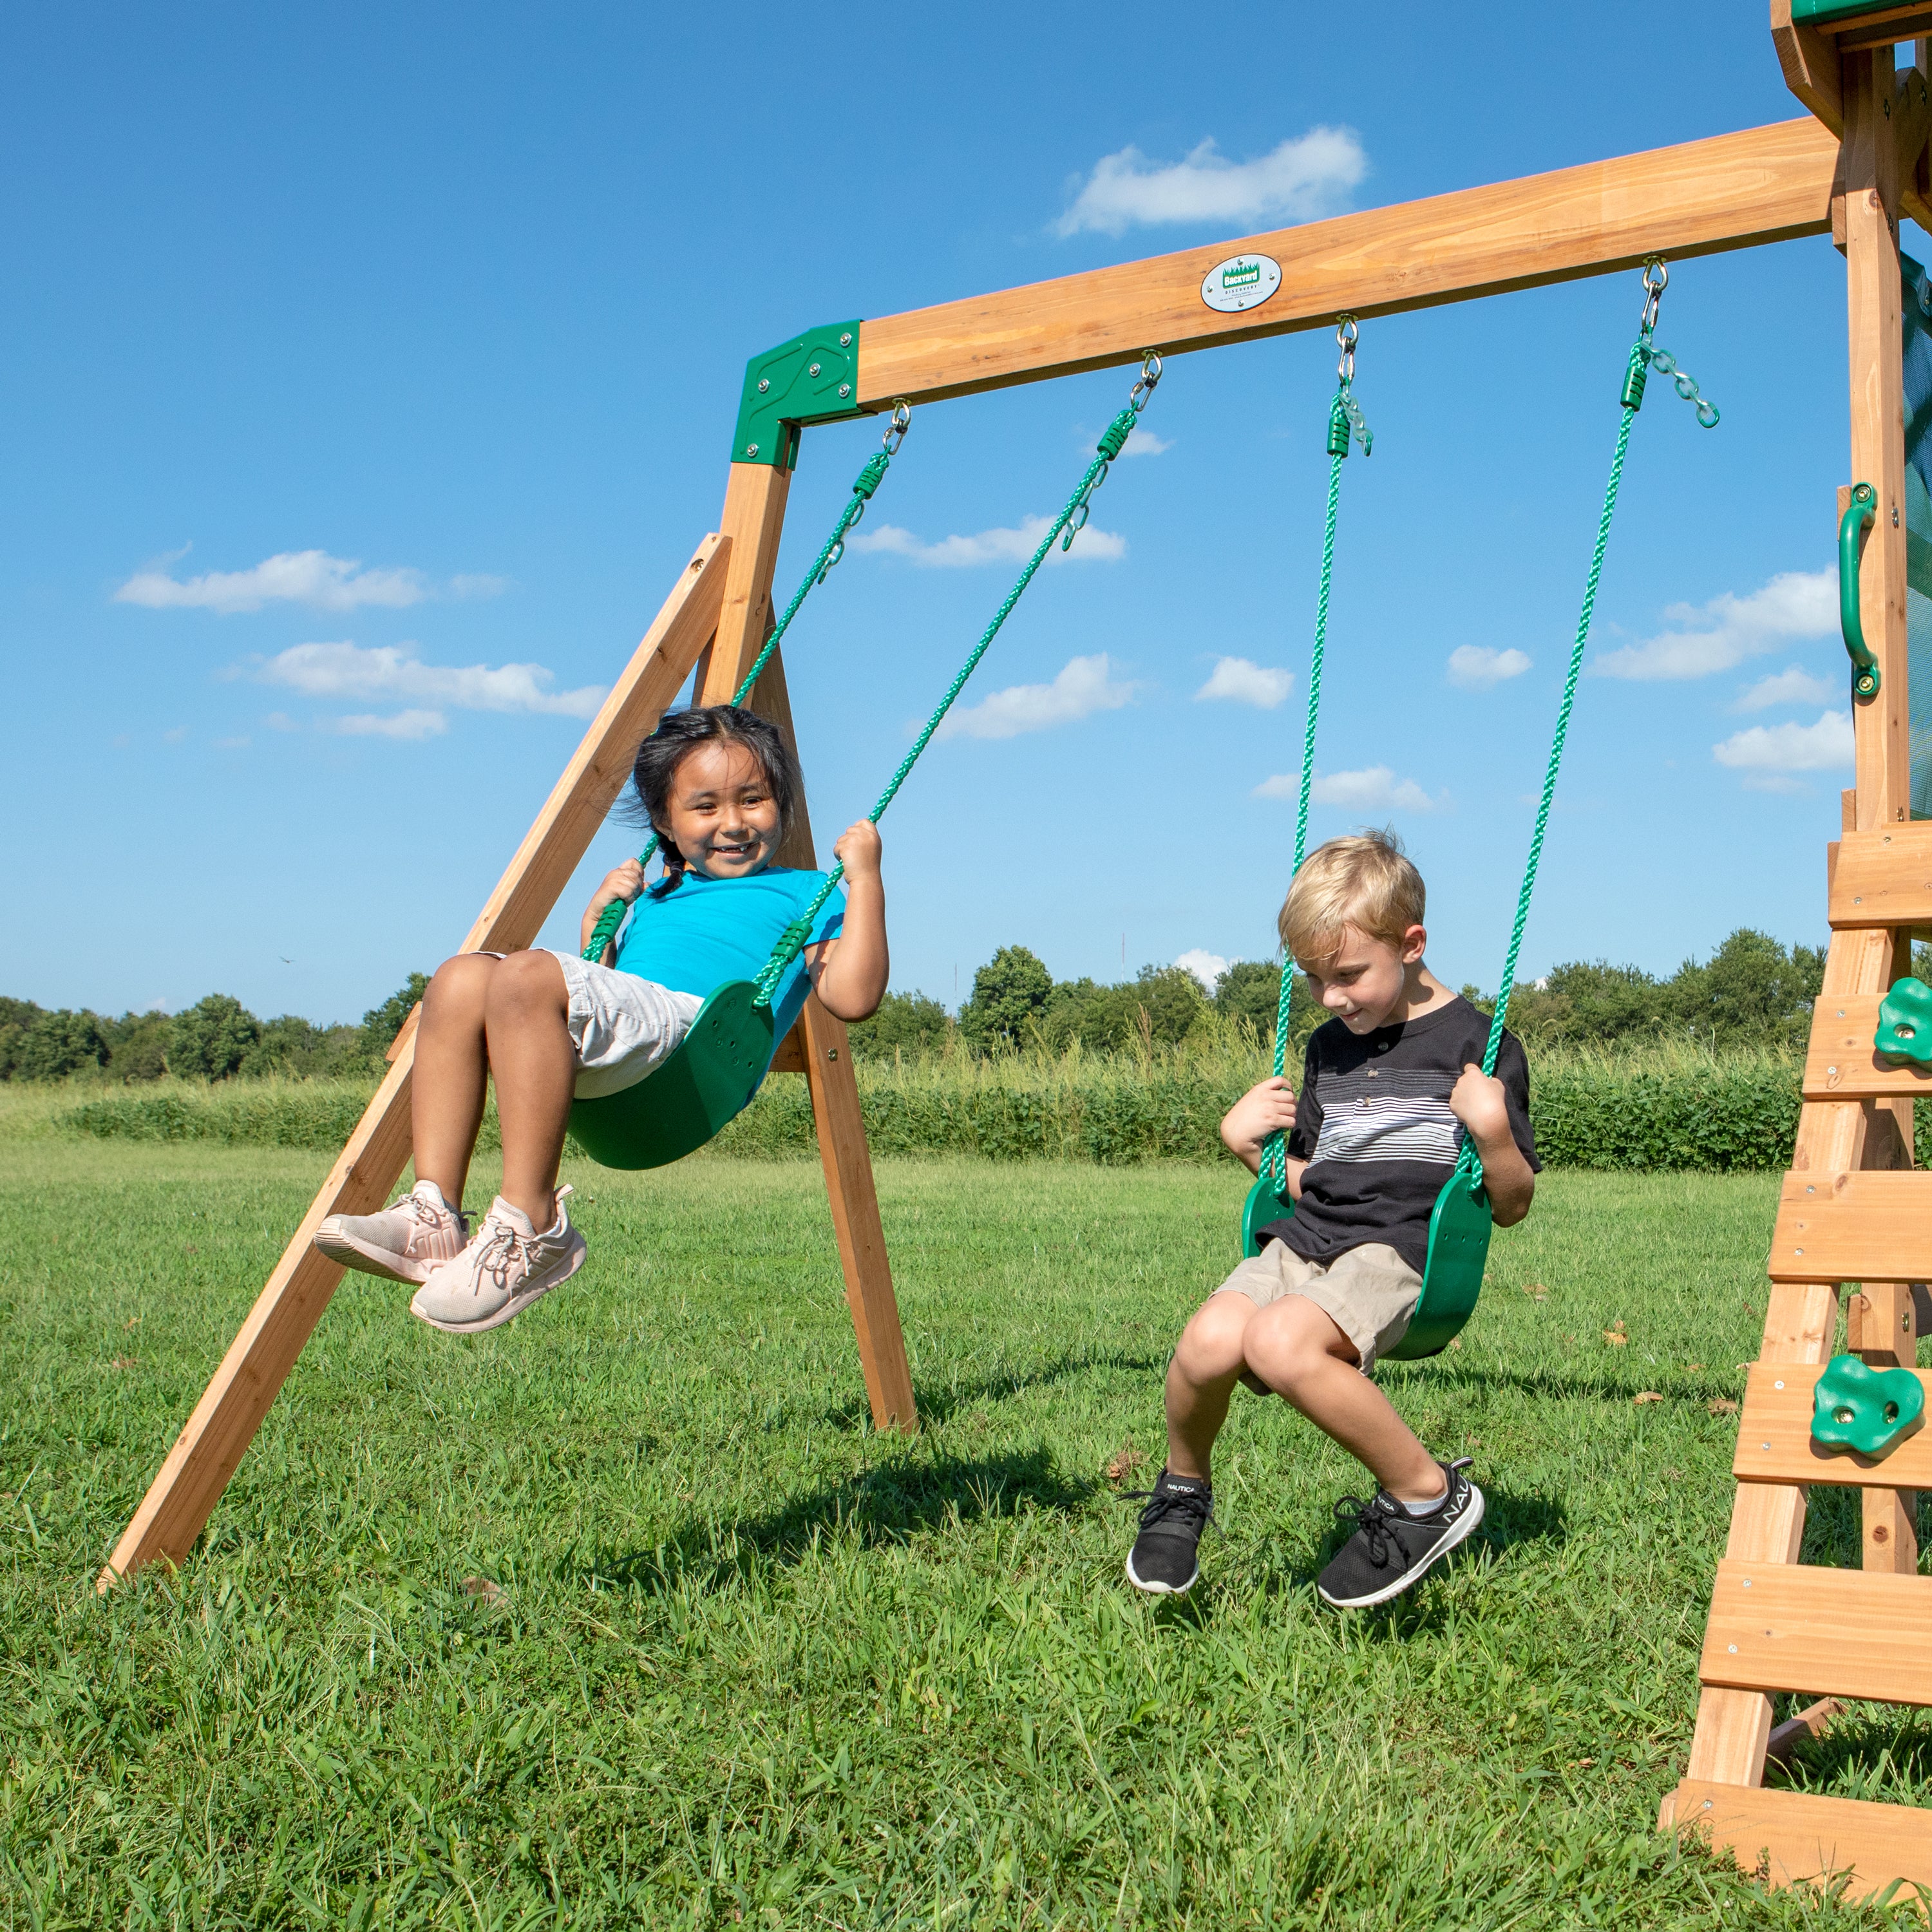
(739, 1660)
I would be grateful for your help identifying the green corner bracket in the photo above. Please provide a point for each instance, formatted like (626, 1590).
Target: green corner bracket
(1905, 1022)
(1816, 13)
(1868, 1411)
(812, 379)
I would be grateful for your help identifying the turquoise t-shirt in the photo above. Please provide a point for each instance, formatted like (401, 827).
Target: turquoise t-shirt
(710, 931)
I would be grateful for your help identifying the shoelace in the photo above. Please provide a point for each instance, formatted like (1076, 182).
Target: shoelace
(1161, 1504)
(1371, 1518)
(498, 1253)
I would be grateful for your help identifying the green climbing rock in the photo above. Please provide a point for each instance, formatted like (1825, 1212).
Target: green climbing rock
(1869, 1411)
(1905, 1022)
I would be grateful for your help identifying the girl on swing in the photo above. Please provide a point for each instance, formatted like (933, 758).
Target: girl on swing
(719, 786)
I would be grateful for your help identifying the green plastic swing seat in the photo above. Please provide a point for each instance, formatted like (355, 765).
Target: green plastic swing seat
(705, 1082)
(1459, 1249)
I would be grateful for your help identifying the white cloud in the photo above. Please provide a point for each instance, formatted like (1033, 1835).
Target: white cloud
(340, 670)
(1306, 177)
(403, 724)
(1087, 685)
(1482, 667)
(310, 576)
(1375, 789)
(232, 744)
(1795, 604)
(1206, 966)
(1793, 686)
(1240, 681)
(1823, 745)
(997, 546)
(1144, 443)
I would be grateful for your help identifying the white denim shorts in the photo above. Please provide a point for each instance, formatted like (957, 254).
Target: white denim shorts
(621, 1026)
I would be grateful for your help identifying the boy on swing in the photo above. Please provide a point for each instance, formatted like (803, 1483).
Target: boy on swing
(1392, 1086)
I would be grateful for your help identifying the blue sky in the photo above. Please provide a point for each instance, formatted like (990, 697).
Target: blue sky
(368, 376)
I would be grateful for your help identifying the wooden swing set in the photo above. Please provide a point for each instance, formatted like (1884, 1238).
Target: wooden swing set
(1850, 1215)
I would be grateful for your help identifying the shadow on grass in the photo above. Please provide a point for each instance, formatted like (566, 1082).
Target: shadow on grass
(1546, 1384)
(882, 1504)
(939, 1404)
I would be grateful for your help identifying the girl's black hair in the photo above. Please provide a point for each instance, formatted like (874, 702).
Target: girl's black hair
(681, 733)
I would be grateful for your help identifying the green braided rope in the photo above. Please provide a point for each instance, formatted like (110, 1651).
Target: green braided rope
(1470, 1162)
(791, 942)
(833, 548)
(1342, 414)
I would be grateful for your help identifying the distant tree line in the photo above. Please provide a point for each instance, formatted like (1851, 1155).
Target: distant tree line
(215, 1039)
(1751, 992)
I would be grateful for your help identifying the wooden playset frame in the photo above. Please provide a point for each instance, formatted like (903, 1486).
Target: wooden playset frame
(1848, 1217)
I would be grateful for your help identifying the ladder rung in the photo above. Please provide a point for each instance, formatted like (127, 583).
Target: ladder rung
(1873, 1224)
(1840, 1064)
(1809, 1838)
(1796, 1627)
(1883, 878)
(1774, 1443)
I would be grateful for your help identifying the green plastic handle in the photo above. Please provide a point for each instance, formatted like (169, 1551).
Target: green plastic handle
(1860, 512)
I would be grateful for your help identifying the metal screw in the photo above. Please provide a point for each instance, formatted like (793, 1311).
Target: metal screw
(844, 389)
(751, 449)
(845, 340)
(764, 383)
(832, 1053)
(1766, 1447)
(1831, 1072)
(1894, 516)
(1746, 1582)
(1734, 1650)
(813, 370)
(1797, 1251)
(1777, 1385)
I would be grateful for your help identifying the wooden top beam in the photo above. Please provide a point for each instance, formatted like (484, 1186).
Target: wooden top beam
(1700, 198)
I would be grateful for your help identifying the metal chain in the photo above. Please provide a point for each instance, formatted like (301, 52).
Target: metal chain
(868, 480)
(792, 940)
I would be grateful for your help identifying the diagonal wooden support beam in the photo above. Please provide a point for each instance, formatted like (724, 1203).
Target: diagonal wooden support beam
(181, 1498)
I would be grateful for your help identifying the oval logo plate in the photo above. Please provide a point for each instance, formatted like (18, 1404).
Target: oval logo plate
(1242, 281)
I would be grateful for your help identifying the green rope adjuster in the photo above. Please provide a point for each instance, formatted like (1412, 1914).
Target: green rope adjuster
(1861, 511)
(1269, 1199)
(1866, 1410)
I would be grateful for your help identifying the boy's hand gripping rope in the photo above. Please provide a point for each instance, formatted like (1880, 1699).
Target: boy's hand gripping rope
(1345, 415)
(1065, 528)
(1644, 356)
(868, 480)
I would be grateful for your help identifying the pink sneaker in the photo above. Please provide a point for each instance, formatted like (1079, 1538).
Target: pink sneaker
(404, 1243)
(506, 1266)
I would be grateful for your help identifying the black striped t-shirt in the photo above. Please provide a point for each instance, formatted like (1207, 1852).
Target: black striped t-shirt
(1372, 1120)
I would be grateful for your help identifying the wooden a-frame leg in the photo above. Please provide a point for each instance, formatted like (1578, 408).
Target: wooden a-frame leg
(204, 1456)
(754, 518)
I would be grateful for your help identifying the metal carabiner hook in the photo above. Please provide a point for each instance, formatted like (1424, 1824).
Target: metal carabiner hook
(897, 424)
(1653, 291)
(1150, 375)
(1347, 335)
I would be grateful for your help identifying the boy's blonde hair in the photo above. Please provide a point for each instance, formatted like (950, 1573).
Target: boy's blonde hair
(1365, 881)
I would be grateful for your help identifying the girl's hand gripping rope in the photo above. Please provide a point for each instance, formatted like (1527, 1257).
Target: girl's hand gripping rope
(620, 888)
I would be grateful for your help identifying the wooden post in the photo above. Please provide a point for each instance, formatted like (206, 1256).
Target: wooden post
(204, 1456)
(753, 518)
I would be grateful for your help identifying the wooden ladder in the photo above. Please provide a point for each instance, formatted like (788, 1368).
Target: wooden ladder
(1851, 1212)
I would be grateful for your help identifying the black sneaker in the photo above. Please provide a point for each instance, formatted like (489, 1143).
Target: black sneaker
(1390, 1549)
(1162, 1561)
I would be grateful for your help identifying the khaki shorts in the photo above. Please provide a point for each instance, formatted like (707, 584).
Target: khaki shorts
(1369, 1293)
